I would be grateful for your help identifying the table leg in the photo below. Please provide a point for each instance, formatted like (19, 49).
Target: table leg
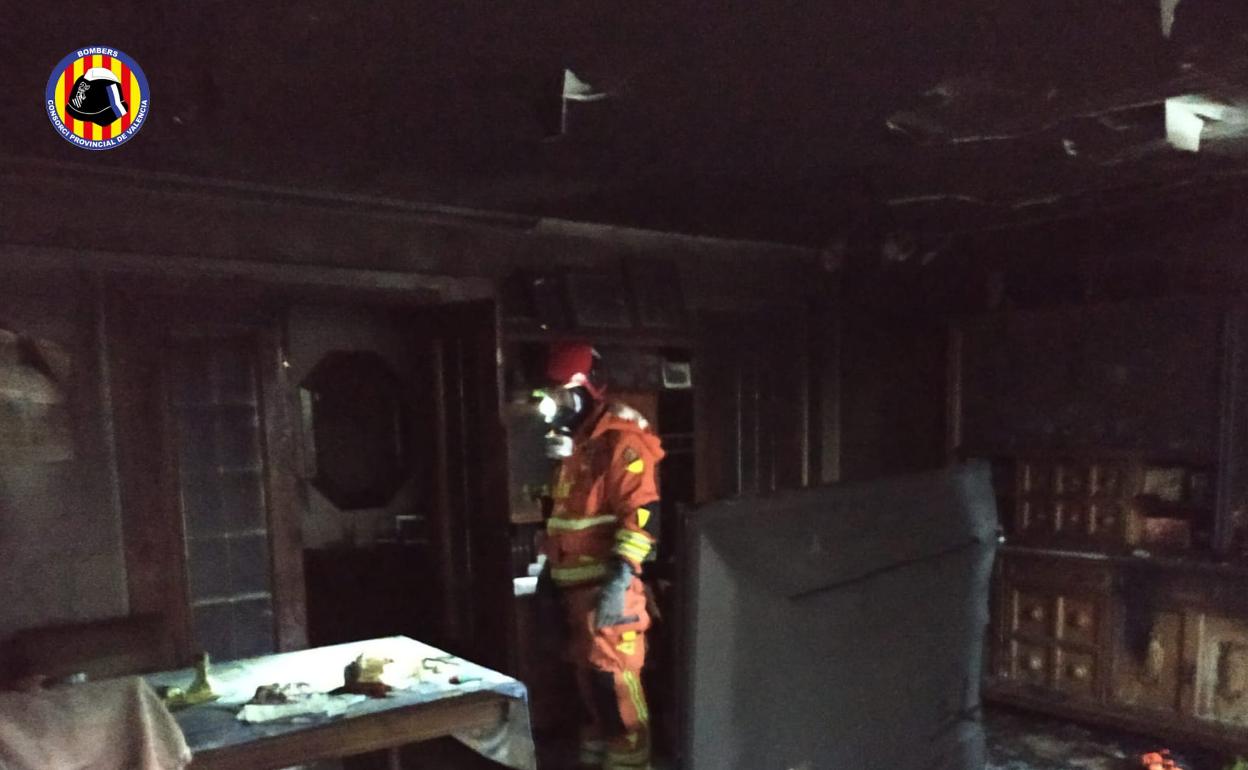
(393, 759)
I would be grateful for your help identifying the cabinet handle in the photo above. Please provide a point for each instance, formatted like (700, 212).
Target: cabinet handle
(1079, 672)
(1036, 613)
(1232, 670)
(1156, 659)
(1035, 663)
(1080, 620)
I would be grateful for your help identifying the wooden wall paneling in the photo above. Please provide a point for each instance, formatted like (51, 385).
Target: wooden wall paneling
(1231, 502)
(752, 402)
(1140, 375)
(717, 406)
(893, 403)
(827, 338)
(446, 526)
(787, 338)
(285, 514)
(953, 392)
(154, 549)
(491, 532)
(472, 522)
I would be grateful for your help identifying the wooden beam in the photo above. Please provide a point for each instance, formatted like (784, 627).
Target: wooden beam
(432, 287)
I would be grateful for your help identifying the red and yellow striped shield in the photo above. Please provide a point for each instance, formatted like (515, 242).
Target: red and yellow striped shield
(130, 85)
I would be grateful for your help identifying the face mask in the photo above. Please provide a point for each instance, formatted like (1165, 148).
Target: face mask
(559, 445)
(563, 407)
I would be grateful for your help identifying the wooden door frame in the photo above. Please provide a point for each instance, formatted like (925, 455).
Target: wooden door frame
(468, 416)
(152, 524)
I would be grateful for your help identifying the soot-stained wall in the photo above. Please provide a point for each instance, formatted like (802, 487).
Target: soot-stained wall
(61, 557)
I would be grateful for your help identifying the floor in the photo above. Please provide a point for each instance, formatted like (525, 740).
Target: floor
(1018, 741)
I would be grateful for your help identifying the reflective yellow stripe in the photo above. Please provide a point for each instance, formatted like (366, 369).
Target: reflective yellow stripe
(639, 700)
(559, 524)
(632, 545)
(643, 516)
(636, 553)
(636, 466)
(629, 536)
(567, 575)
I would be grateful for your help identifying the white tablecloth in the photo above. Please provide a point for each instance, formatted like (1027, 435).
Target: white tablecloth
(214, 726)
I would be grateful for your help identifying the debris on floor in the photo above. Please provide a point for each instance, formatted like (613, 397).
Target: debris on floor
(1018, 741)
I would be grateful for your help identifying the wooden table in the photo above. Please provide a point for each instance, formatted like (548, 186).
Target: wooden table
(428, 710)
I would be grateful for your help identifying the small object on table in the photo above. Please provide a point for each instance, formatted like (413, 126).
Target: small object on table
(435, 665)
(276, 702)
(199, 691)
(363, 676)
(276, 694)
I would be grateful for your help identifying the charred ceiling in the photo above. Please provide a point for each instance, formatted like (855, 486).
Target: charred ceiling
(797, 121)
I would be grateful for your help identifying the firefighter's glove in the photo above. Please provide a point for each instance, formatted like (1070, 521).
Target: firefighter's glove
(611, 601)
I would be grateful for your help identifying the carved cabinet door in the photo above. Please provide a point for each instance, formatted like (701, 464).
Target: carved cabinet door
(1220, 647)
(1148, 662)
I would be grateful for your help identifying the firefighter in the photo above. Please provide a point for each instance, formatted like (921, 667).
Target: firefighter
(601, 531)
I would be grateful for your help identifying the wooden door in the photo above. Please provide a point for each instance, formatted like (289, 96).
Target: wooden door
(470, 528)
(205, 456)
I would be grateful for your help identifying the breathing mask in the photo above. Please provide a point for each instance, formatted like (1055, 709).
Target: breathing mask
(563, 409)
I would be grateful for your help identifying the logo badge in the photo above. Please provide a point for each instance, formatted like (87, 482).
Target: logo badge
(97, 98)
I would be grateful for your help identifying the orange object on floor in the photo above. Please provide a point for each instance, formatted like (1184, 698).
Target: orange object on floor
(1159, 760)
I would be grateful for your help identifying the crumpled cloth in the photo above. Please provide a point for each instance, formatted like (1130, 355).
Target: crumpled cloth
(509, 744)
(117, 724)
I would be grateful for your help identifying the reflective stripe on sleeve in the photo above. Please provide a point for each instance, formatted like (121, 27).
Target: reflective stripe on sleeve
(561, 524)
(632, 545)
(569, 575)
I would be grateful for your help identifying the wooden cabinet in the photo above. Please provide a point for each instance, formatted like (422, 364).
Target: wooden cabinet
(1120, 444)
(1158, 646)
(1147, 665)
(1078, 503)
(1219, 656)
(1051, 630)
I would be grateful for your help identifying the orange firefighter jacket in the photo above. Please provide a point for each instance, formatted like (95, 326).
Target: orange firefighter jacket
(600, 497)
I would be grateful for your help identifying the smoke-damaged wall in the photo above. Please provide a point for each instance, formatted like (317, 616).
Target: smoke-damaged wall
(61, 556)
(312, 332)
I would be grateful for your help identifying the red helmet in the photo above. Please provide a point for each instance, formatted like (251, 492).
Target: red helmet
(572, 363)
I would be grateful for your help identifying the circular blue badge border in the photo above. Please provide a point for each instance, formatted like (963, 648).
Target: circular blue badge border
(49, 94)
